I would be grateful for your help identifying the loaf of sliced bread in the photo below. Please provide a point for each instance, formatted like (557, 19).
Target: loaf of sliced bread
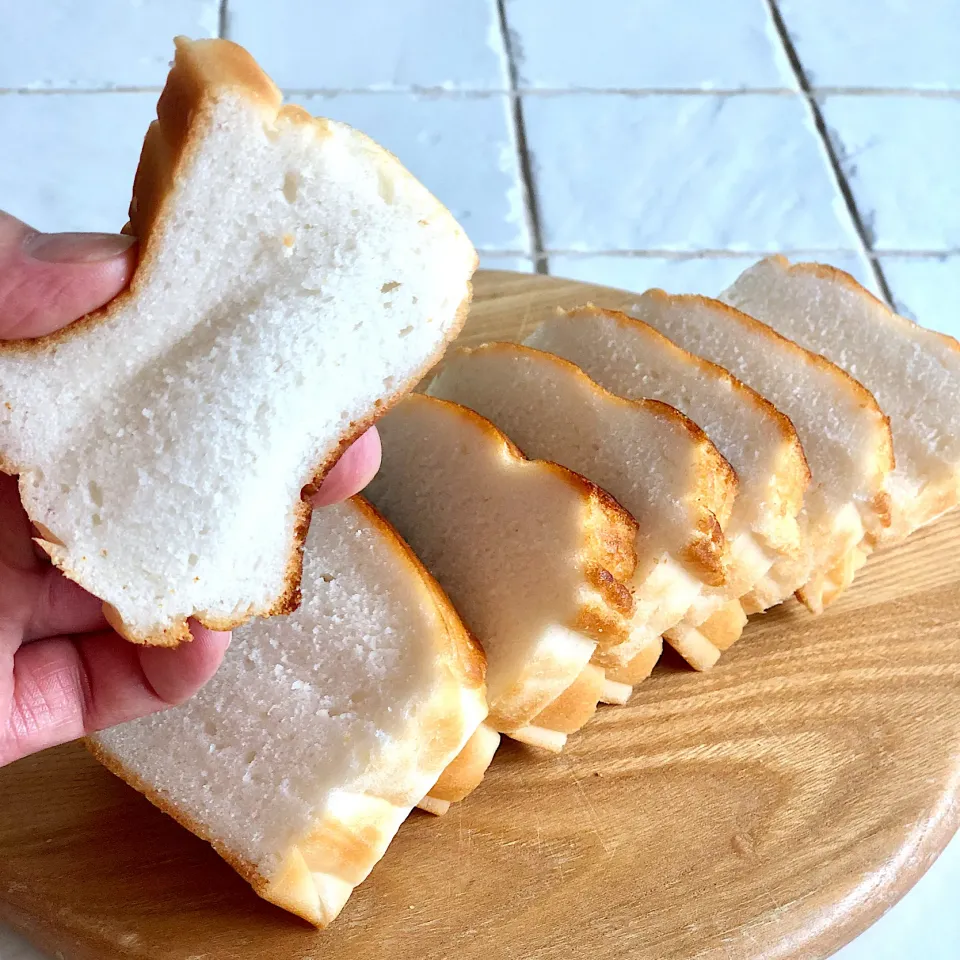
(913, 373)
(845, 435)
(658, 465)
(534, 557)
(294, 280)
(633, 360)
(300, 759)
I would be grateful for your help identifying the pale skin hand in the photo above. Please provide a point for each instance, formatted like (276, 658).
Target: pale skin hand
(63, 672)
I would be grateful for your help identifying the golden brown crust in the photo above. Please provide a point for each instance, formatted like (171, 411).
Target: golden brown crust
(716, 481)
(935, 499)
(699, 652)
(465, 772)
(201, 72)
(707, 552)
(610, 533)
(576, 705)
(784, 498)
(641, 666)
(841, 570)
(864, 397)
(724, 627)
(611, 556)
(713, 370)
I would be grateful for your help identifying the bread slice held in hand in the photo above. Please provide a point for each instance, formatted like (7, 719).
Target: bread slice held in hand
(633, 360)
(845, 435)
(300, 759)
(914, 373)
(294, 280)
(658, 465)
(534, 557)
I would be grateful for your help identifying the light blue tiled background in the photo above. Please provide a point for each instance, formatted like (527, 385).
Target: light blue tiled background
(630, 142)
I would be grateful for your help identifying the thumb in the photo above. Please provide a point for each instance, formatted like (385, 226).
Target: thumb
(48, 280)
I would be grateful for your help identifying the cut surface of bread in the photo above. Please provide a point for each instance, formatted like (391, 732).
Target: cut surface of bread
(300, 759)
(658, 465)
(633, 360)
(914, 373)
(845, 435)
(534, 557)
(293, 280)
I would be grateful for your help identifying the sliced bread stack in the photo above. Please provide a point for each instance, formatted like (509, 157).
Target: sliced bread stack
(294, 281)
(657, 464)
(322, 729)
(845, 435)
(536, 559)
(913, 373)
(633, 360)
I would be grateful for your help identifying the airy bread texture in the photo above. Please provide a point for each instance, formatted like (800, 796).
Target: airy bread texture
(845, 435)
(633, 360)
(300, 759)
(658, 465)
(533, 556)
(294, 280)
(913, 373)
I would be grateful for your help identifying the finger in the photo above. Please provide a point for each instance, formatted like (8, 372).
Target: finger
(60, 606)
(352, 472)
(65, 688)
(176, 675)
(48, 280)
(16, 546)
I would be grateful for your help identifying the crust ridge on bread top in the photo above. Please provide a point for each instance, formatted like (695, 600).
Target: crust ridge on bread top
(635, 361)
(656, 462)
(913, 373)
(845, 435)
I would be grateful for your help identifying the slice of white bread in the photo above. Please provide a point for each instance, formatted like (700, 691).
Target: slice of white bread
(633, 360)
(294, 279)
(534, 557)
(300, 759)
(657, 464)
(914, 373)
(845, 435)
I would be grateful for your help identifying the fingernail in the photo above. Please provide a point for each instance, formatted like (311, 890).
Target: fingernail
(77, 247)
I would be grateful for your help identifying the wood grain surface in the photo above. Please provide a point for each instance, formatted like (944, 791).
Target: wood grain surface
(771, 808)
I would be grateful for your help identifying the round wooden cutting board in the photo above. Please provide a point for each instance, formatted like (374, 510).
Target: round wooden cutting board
(771, 808)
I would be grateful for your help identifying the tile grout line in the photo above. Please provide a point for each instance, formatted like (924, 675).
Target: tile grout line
(222, 20)
(442, 93)
(720, 253)
(523, 154)
(833, 157)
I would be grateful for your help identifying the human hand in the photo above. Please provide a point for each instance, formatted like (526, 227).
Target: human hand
(63, 672)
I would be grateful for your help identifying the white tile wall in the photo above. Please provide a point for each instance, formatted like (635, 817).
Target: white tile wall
(68, 159)
(682, 173)
(506, 261)
(373, 45)
(706, 275)
(647, 44)
(675, 185)
(92, 44)
(877, 43)
(926, 289)
(900, 155)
